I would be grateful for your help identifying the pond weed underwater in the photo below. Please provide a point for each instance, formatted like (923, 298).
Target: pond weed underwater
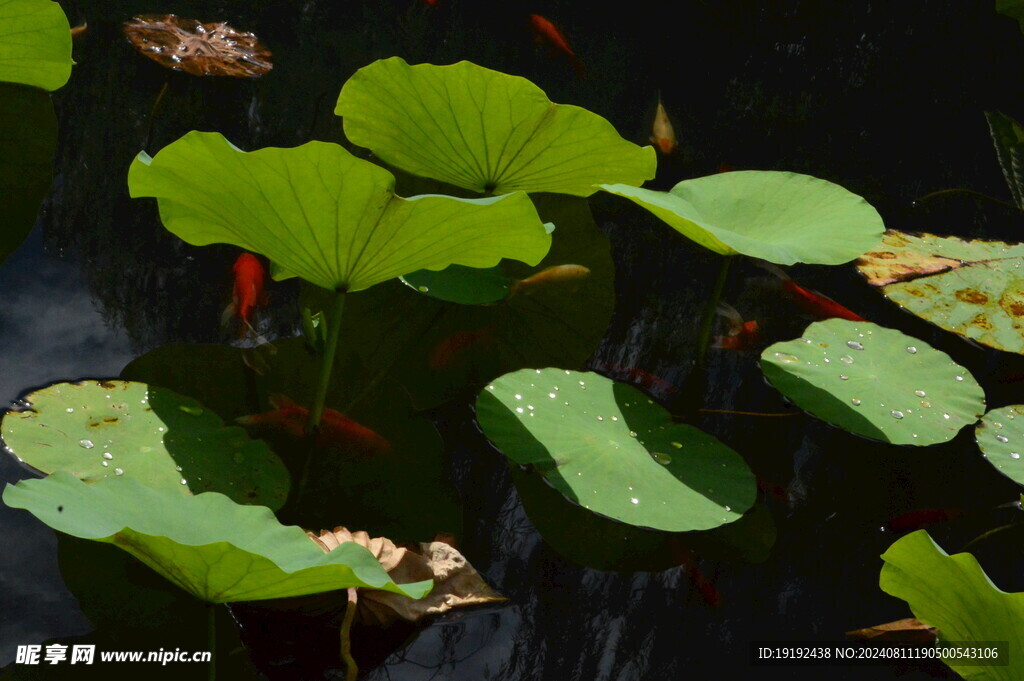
(757, 109)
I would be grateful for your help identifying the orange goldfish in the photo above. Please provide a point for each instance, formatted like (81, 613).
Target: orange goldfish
(449, 349)
(545, 30)
(79, 31)
(742, 336)
(336, 432)
(688, 561)
(550, 275)
(247, 293)
(663, 134)
(811, 302)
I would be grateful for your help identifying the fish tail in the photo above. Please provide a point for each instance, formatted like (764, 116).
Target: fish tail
(771, 268)
(730, 313)
(227, 314)
(577, 66)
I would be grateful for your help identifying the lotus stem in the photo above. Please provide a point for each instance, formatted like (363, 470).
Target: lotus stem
(316, 412)
(152, 112)
(710, 310)
(211, 640)
(746, 413)
(351, 668)
(970, 192)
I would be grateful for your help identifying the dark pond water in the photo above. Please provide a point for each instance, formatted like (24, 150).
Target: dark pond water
(885, 99)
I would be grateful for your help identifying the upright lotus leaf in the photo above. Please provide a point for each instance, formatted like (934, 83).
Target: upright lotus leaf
(402, 490)
(972, 288)
(785, 218)
(211, 547)
(612, 450)
(1000, 436)
(953, 594)
(35, 43)
(96, 430)
(875, 382)
(484, 130)
(28, 138)
(1008, 138)
(441, 350)
(322, 214)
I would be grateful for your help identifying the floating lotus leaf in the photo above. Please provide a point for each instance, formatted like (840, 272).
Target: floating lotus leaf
(440, 350)
(96, 430)
(211, 547)
(875, 382)
(1000, 435)
(484, 130)
(464, 285)
(954, 595)
(320, 213)
(213, 49)
(785, 218)
(1008, 138)
(28, 138)
(613, 451)
(972, 288)
(35, 43)
(399, 489)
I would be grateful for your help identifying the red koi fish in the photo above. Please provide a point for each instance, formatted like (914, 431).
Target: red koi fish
(448, 350)
(916, 520)
(688, 561)
(546, 31)
(337, 431)
(813, 303)
(549, 275)
(773, 490)
(247, 293)
(742, 336)
(636, 376)
(662, 133)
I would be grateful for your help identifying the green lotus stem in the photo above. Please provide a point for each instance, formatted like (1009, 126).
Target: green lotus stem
(710, 310)
(970, 192)
(327, 362)
(211, 640)
(351, 668)
(746, 413)
(988, 535)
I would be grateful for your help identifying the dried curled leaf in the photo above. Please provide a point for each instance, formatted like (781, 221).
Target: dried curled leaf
(456, 583)
(213, 49)
(910, 630)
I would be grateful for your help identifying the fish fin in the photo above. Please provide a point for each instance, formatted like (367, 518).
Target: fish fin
(772, 268)
(227, 314)
(279, 401)
(730, 313)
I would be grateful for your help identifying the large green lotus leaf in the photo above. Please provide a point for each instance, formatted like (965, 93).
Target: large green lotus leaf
(322, 214)
(612, 450)
(953, 594)
(781, 217)
(875, 382)
(1008, 138)
(35, 43)
(1000, 436)
(484, 130)
(441, 350)
(403, 493)
(211, 547)
(96, 430)
(28, 137)
(972, 288)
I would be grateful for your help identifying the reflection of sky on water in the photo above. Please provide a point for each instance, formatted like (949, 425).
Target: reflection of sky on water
(49, 327)
(49, 330)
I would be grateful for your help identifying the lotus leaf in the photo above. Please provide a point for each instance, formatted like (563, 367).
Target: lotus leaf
(609, 448)
(972, 288)
(1000, 435)
(28, 137)
(875, 382)
(320, 213)
(1008, 138)
(483, 130)
(35, 43)
(954, 595)
(777, 216)
(1013, 9)
(465, 285)
(211, 547)
(96, 430)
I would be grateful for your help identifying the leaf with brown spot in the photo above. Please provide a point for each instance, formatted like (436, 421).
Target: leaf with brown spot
(456, 583)
(972, 288)
(910, 630)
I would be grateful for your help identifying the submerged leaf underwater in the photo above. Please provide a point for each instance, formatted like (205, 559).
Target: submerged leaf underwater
(888, 101)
